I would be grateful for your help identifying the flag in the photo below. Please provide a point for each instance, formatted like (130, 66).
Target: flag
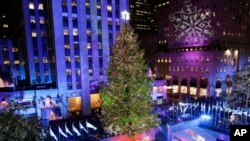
(221, 109)
(209, 109)
(90, 125)
(52, 134)
(217, 105)
(67, 130)
(171, 108)
(203, 107)
(61, 132)
(75, 130)
(197, 104)
(82, 127)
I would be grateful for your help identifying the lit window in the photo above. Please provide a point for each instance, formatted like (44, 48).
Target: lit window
(67, 59)
(33, 34)
(31, 5)
(100, 45)
(75, 32)
(98, 6)
(16, 62)
(41, 20)
(6, 62)
(109, 8)
(36, 60)
(45, 60)
(89, 45)
(169, 60)
(14, 49)
(87, 4)
(78, 72)
(40, 6)
(32, 19)
(88, 32)
(74, 4)
(68, 71)
(65, 32)
(90, 72)
(66, 46)
(77, 59)
(5, 25)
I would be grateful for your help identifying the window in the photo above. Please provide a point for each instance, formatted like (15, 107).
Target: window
(5, 25)
(14, 49)
(100, 62)
(31, 5)
(41, 20)
(33, 34)
(40, 6)
(88, 24)
(78, 72)
(66, 46)
(90, 72)
(67, 58)
(74, 7)
(68, 71)
(90, 60)
(65, 32)
(75, 22)
(87, 8)
(75, 31)
(65, 22)
(45, 60)
(32, 19)
(99, 24)
(6, 62)
(74, 4)
(109, 8)
(36, 60)
(89, 46)
(64, 7)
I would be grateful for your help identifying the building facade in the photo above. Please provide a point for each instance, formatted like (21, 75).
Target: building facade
(10, 66)
(67, 42)
(204, 50)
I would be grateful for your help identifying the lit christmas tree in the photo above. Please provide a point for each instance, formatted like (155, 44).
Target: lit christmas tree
(14, 127)
(127, 104)
(241, 91)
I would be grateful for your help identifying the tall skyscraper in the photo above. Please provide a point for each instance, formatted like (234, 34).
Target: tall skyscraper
(143, 20)
(207, 42)
(68, 42)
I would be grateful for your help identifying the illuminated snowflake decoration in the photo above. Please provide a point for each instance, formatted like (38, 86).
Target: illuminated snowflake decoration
(192, 25)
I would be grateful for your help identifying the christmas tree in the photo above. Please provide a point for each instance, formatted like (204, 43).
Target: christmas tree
(127, 104)
(241, 91)
(14, 127)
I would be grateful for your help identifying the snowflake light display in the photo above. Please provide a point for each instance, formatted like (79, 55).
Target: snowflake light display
(192, 26)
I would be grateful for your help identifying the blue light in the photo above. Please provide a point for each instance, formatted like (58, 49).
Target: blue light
(205, 117)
